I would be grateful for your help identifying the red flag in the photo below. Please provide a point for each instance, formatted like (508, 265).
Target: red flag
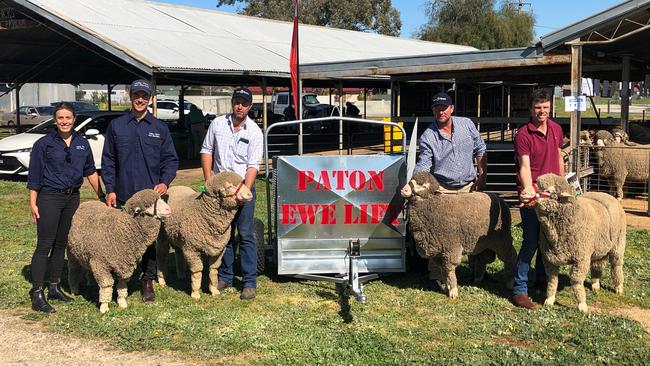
(293, 61)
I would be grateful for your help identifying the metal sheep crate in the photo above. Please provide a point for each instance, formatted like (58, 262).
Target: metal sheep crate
(336, 218)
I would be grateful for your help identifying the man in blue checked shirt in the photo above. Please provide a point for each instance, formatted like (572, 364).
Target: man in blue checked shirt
(234, 143)
(449, 148)
(138, 154)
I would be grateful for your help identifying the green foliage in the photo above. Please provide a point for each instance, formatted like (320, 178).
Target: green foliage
(377, 16)
(476, 23)
(308, 322)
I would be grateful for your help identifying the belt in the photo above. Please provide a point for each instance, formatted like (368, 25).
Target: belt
(65, 191)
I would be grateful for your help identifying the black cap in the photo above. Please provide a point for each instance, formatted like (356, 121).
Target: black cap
(441, 98)
(141, 85)
(244, 93)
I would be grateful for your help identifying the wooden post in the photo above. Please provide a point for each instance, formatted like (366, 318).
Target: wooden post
(264, 111)
(576, 81)
(365, 102)
(17, 89)
(625, 93)
(340, 88)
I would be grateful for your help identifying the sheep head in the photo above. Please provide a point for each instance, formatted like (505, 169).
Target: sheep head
(422, 186)
(603, 138)
(229, 189)
(147, 202)
(585, 139)
(553, 192)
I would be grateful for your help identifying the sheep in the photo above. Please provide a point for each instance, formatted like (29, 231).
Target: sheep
(201, 224)
(619, 164)
(110, 242)
(603, 138)
(583, 232)
(445, 227)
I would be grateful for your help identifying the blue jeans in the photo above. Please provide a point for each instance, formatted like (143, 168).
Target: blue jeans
(529, 245)
(243, 222)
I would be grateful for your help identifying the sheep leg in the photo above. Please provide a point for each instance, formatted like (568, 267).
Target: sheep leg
(214, 263)
(616, 261)
(195, 265)
(180, 264)
(478, 262)
(75, 274)
(449, 265)
(596, 274)
(162, 250)
(619, 187)
(105, 281)
(508, 255)
(577, 276)
(552, 271)
(122, 292)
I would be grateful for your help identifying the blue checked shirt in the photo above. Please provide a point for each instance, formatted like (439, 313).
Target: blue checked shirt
(451, 160)
(233, 152)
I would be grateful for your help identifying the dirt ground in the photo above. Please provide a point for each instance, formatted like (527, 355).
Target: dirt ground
(23, 342)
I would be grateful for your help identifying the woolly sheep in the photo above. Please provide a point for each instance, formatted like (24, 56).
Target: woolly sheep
(446, 226)
(201, 224)
(110, 242)
(619, 164)
(583, 232)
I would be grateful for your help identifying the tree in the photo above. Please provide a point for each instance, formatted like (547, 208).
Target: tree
(361, 15)
(476, 23)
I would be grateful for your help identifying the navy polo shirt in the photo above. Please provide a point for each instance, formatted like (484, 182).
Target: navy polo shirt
(137, 155)
(55, 166)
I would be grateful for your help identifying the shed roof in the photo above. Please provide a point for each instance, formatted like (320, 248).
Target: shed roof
(172, 39)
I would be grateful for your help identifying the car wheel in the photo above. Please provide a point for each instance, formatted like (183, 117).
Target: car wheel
(10, 124)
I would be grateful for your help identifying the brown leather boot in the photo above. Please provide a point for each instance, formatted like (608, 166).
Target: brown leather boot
(248, 293)
(148, 295)
(523, 301)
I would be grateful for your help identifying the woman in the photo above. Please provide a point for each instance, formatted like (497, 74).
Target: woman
(59, 161)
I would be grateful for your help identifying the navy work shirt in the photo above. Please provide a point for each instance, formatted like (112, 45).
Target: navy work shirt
(55, 166)
(137, 155)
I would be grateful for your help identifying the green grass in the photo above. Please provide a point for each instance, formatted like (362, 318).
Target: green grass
(294, 322)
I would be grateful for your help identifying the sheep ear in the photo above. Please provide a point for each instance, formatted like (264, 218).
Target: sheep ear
(566, 197)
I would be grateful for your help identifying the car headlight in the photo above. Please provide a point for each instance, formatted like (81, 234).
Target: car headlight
(29, 149)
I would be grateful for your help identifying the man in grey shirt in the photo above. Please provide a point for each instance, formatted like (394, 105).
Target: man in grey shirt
(449, 148)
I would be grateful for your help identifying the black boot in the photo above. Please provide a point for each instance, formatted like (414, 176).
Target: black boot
(39, 303)
(54, 292)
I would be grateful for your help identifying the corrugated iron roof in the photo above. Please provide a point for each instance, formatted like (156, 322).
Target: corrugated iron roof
(182, 38)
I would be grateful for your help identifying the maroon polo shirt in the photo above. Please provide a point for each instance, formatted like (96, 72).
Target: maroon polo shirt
(541, 149)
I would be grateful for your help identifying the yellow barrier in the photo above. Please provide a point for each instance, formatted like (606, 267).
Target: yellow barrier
(392, 137)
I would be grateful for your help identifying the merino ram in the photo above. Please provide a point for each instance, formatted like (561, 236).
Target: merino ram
(108, 241)
(200, 225)
(619, 164)
(446, 226)
(584, 231)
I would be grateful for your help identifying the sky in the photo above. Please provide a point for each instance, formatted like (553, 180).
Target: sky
(550, 14)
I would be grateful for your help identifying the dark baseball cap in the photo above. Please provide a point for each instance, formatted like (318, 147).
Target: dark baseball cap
(141, 85)
(244, 93)
(441, 98)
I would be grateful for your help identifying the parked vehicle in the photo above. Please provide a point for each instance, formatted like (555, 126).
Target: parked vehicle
(168, 110)
(79, 106)
(15, 150)
(282, 104)
(29, 116)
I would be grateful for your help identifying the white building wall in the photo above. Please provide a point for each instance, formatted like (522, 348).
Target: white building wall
(37, 94)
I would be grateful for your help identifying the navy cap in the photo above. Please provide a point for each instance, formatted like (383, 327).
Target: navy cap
(441, 98)
(141, 85)
(243, 92)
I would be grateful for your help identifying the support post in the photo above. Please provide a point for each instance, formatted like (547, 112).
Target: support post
(299, 107)
(181, 105)
(576, 81)
(365, 102)
(18, 87)
(154, 96)
(625, 93)
(478, 102)
(264, 111)
(110, 92)
(340, 88)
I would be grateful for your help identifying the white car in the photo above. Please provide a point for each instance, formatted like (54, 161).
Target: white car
(15, 150)
(167, 110)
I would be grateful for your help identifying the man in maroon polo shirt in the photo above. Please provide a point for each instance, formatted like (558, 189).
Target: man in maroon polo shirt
(537, 149)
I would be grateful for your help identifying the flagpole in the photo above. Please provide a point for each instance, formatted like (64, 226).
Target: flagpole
(298, 91)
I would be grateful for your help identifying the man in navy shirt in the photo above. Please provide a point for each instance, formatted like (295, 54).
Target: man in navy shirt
(448, 149)
(138, 154)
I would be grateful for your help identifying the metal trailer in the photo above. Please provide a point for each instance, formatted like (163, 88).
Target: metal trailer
(336, 218)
